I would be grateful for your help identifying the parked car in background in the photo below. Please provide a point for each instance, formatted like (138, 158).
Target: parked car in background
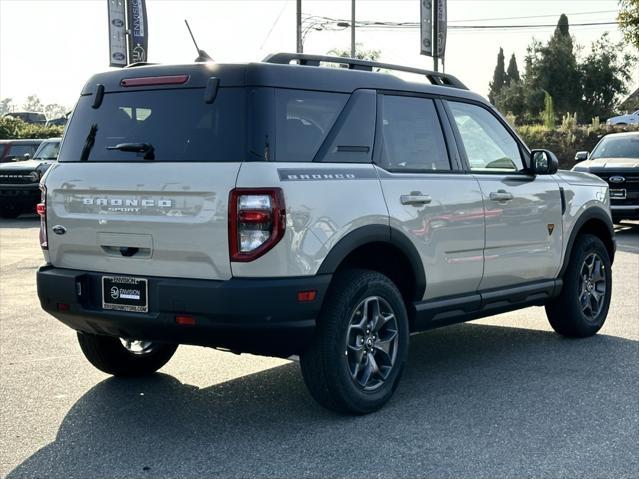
(27, 116)
(629, 119)
(615, 159)
(15, 150)
(61, 121)
(20, 181)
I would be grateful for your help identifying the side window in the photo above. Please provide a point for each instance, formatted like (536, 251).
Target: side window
(489, 146)
(303, 120)
(412, 138)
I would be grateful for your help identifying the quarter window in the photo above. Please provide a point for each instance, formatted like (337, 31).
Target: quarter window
(303, 120)
(489, 146)
(412, 136)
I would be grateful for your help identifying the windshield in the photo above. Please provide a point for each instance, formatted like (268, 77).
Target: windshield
(617, 147)
(175, 124)
(47, 151)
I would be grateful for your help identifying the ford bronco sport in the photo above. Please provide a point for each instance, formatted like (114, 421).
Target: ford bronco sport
(284, 208)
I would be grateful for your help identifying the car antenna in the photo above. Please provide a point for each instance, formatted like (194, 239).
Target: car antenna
(202, 56)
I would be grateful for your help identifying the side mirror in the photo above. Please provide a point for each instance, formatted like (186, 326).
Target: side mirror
(544, 162)
(26, 156)
(582, 155)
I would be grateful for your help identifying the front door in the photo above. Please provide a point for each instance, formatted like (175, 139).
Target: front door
(523, 212)
(438, 207)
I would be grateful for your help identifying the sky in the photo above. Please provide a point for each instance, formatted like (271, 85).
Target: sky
(51, 47)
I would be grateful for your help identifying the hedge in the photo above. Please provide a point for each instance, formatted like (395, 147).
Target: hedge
(566, 142)
(14, 128)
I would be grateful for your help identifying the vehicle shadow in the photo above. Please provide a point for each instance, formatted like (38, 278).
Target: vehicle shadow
(22, 221)
(475, 401)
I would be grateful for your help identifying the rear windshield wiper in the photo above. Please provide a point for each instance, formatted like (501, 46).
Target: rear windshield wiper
(146, 148)
(89, 142)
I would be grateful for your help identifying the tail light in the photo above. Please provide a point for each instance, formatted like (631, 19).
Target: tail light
(41, 209)
(257, 218)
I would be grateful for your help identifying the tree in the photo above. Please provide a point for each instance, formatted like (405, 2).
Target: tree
(360, 53)
(629, 20)
(553, 68)
(511, 99)
(54, 110)
(34, 104)
(6, 106)
(499, 78)
(512, 74)
(605, 71)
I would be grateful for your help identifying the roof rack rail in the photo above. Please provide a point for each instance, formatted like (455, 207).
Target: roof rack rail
(436, 78)
(139, 64)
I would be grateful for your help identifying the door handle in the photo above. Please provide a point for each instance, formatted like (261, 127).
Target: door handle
(501, 195)
(415, 199)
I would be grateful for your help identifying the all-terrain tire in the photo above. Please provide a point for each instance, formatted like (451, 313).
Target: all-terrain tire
(572, 313)
(325, 364)
(109, 355)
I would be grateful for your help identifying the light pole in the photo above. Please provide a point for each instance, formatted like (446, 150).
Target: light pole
(352, 28)
(298, 16)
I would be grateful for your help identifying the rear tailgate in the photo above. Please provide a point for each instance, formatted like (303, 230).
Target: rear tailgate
(156, 219)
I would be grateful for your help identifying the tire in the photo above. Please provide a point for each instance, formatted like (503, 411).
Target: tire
(336, 365)
(109, 355)
(10, 212)
(577, 313)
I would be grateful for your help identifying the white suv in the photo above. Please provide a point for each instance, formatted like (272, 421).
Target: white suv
(283, 208)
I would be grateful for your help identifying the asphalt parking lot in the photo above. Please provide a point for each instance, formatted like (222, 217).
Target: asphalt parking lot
(500, 397)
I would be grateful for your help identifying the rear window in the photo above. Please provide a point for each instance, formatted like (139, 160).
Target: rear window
(177, 123)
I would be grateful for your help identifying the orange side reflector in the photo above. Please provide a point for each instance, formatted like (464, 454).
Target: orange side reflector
(306, 296)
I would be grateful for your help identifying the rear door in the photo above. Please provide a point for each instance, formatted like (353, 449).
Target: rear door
(143, 181)
(437, 206)
(523, 211)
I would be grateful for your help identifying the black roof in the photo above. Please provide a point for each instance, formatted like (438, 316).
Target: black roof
(300, 76)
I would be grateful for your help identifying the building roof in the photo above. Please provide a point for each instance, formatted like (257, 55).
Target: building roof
(632, 102)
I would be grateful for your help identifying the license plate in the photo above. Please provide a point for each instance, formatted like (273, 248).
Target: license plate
(124, 293)
(619, 194)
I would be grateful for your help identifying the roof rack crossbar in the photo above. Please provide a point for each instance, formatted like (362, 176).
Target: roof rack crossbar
(436, 78)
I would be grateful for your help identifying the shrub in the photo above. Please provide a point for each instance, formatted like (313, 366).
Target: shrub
(14, 128)
(564, 143)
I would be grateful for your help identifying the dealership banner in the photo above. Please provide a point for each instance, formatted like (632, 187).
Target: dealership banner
(426, 27)
(433, 27)
(139, 31)
(117, 33)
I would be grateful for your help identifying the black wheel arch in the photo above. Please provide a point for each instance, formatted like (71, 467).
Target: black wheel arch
(594, 221)
(378, 235)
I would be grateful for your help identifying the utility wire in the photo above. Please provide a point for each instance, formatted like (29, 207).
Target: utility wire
(532, 16)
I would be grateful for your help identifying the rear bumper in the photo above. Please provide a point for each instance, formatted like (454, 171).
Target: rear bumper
(259, 316)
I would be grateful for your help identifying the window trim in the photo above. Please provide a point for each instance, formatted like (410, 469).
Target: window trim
(452, 153)
(524, 151)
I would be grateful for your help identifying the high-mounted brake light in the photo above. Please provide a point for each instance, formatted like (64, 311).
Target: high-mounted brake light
(257, 219)
(148, 81)
(41, 209)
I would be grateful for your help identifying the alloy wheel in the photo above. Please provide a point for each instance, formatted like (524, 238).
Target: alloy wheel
(372, 343)
(592, 286)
